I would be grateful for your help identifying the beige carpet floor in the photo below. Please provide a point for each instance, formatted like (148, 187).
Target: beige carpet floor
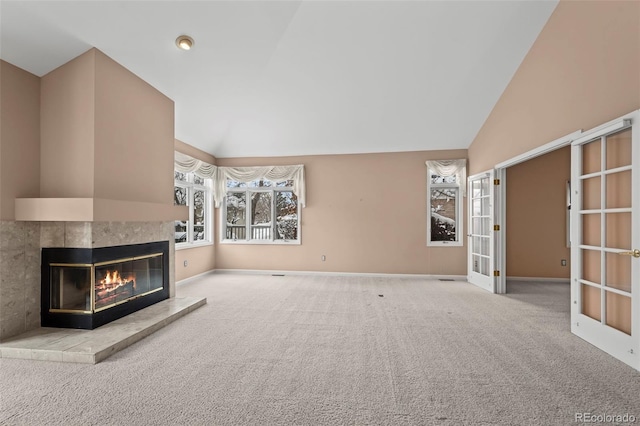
(316, 350)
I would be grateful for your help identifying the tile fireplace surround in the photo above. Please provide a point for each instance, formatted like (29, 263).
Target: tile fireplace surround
(20, 244)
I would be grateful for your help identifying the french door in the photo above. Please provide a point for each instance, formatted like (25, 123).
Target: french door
(605, 238)
(480, 269)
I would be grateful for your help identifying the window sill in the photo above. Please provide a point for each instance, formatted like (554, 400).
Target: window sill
(186, 246)
(262, 242)
(445, 244)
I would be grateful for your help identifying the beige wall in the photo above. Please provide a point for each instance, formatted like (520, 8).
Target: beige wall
(67, 112)
(536, 216)
(583, 70)
(199, 259)
(134, 136)
(19, 136)
(366, 213)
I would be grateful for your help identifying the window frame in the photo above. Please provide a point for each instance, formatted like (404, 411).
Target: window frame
(248, 190)
(459, 242)
(191, 188)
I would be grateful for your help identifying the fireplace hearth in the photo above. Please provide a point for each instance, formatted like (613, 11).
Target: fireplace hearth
(86, 288)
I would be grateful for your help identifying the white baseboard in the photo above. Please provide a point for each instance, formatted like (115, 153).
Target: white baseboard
(338, 274)
(540, 280)
(194, 277)
(360, 274)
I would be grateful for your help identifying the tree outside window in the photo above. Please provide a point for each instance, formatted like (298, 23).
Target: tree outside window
(194, 192)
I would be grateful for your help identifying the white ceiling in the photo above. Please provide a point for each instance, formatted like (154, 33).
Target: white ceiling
(277, 78)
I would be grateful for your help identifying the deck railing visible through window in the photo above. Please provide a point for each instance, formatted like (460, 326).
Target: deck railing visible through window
(258, 232)
(261, 232)
(236, 232)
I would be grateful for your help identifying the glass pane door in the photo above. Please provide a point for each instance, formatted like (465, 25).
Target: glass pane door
(605, 273)
(480, 248)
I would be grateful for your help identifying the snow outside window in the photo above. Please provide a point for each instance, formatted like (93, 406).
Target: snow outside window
(444, 225)
(194, 192)
(262, 212)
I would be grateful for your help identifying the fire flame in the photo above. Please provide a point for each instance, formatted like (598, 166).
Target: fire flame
(113, 280)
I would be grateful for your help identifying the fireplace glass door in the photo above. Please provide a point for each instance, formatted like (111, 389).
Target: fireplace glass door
(87, 288)
(116, 282)
(71, 288)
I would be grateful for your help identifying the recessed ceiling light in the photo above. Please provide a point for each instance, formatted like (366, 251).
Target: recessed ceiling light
(185, 42)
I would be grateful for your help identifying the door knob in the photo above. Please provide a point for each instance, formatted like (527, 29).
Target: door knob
(634, 253)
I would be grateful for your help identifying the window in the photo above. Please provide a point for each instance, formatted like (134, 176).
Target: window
(261, 211)
(194, 192)
(444, 226)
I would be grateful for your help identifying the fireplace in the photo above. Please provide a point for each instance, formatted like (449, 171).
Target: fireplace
(86, 288)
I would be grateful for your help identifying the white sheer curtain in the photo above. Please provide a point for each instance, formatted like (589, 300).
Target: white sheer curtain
(457, 168)
(247, 174)
(186, 164)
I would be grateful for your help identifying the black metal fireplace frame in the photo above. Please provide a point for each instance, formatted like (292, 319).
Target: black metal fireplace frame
(89, 321)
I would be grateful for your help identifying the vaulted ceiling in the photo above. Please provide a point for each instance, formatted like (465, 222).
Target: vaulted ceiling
(277, 78)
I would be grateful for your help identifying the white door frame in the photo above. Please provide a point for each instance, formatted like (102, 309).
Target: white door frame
(500, 239)
(500, 209)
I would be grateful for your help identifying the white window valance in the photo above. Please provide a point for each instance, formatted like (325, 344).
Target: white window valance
(186, 164)
(457, 168)
(248, 174)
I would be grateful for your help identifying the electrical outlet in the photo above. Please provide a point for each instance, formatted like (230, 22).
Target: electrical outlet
(323, 258)
(563, 262)
(186, 262)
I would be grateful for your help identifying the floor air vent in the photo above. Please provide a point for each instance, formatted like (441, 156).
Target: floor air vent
(446, 279)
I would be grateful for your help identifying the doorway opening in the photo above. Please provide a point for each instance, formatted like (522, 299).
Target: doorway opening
(536, 226)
